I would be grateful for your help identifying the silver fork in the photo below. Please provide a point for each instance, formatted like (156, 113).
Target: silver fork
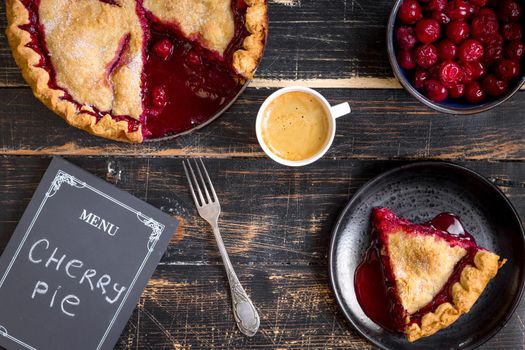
(209, 209)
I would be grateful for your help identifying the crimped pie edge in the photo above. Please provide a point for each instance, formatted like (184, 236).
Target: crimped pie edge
(465, 293)
(245, 60)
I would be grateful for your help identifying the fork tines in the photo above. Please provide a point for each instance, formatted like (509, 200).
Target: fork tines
(192, 181)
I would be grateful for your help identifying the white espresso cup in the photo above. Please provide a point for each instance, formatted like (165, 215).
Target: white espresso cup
(331, 112)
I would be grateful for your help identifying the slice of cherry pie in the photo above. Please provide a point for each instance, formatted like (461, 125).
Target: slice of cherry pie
(418, 279)
(136, 69)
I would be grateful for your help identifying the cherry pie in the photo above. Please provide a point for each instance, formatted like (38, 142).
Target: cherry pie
(419, 279)
(131, 70)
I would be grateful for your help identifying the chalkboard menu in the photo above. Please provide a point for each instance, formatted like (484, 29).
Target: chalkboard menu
(77, 262)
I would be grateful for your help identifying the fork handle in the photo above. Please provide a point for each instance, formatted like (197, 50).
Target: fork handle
(244, 312)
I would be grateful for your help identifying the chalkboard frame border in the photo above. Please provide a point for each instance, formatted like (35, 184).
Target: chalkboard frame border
(64, 177)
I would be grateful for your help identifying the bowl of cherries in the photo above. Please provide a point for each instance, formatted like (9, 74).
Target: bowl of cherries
(458, 56)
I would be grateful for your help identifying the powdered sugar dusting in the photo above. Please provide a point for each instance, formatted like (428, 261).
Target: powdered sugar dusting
(135, 64)
(50, 25)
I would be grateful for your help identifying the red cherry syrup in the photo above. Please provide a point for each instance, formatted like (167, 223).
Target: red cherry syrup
(372, 290)
(374, 284)
(196, 82)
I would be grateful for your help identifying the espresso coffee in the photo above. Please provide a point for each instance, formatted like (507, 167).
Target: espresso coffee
(296, 126)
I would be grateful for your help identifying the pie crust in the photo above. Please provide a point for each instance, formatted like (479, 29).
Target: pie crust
(417, 284)
(117, 89)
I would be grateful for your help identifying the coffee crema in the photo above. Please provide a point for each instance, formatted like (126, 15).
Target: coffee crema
(295, 126)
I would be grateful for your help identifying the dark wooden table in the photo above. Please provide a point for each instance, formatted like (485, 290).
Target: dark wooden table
(277, 221)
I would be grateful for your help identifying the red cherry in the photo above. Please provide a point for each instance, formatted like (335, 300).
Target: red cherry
(428, 30)
(483, 27)
(163, 48)
(441, 17)
(468, 73)
(437, 5)
(507, 69)
(457, 91)
(450, 73)
(406, 37)
(472, 71)
(514, 50)
(474, 93)
(194, 59)
(487, 12)
(494, 40)
(436, 91)
(494, 86)
(470, 50)
(509, 11)
(447, 50)
(410, 12)
(426, 55)
(241, 4)
(420, 78)
(478, 69)
(512, 31)
(457, 31)
(479, 3)
(493, 50)
(459, 9)
(406, 60)
(434, 72)
(493, 53)
(158, 97)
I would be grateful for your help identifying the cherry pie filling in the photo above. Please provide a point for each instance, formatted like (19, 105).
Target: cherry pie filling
(375, 289)
(184, 84)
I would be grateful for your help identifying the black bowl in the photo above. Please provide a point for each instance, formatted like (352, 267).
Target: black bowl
(448, 106)
(418, 192)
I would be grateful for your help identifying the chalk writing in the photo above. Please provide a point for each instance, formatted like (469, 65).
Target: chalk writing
(39, 253)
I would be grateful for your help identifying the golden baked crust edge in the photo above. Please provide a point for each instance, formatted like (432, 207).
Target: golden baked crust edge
(245, 60)
(465, 293)
(38, 78)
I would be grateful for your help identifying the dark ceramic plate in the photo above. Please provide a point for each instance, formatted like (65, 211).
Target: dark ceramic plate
(418, 192)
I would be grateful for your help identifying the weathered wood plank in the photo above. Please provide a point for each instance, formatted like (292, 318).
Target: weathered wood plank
(188, 307)
(271, 215)
(181, 311)
(384, 124)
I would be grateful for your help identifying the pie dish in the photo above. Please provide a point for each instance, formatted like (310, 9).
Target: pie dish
(132, 70)
(433, 273)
